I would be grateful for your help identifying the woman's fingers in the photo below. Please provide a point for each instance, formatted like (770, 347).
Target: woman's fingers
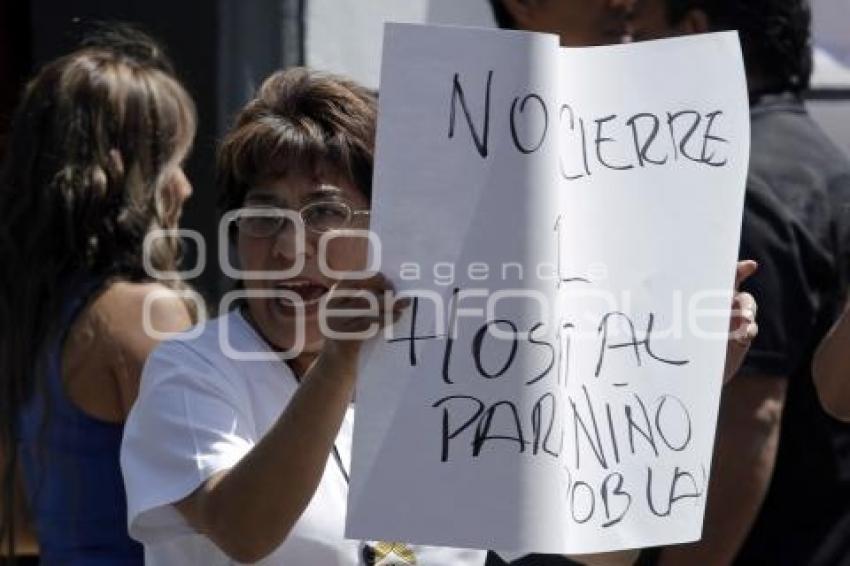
(743, 270)
(742, 325)
(368, 302)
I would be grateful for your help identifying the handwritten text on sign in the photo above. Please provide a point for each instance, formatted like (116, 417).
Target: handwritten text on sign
(554, 386)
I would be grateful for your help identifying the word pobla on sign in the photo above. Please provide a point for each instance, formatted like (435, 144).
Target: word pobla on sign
(529, 399)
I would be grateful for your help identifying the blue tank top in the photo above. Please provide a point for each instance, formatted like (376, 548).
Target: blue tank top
(71, 469)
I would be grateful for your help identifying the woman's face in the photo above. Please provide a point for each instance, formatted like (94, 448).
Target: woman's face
(276, 318)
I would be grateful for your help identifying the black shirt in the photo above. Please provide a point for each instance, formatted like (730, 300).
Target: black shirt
(796, 225)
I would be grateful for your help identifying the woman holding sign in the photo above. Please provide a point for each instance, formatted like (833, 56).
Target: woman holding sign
(233, 452)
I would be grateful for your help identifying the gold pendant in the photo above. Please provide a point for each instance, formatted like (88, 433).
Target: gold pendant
(393, 554)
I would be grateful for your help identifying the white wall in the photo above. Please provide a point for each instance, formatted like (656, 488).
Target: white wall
(345, 36)
(834, 118)
(831, 27)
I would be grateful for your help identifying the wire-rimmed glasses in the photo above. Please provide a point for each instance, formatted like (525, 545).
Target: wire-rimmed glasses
(265, 221)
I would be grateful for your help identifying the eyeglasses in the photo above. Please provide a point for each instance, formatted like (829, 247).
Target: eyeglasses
(319, 217)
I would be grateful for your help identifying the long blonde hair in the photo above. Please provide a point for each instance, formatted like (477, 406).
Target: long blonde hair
(93, 145)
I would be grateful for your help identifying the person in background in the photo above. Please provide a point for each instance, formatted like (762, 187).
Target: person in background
(789, 467)
(782, 462)
(94, 166)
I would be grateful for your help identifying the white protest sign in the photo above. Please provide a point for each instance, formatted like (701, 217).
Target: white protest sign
(569, 221)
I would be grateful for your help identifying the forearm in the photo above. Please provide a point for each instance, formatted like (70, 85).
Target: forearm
(831, 369)
(250, 510)
(744, 459)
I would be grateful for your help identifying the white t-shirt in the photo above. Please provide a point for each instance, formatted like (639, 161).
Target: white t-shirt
(199, 412)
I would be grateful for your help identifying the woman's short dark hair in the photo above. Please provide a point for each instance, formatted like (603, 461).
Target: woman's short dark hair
(300, 123)
(775, 35)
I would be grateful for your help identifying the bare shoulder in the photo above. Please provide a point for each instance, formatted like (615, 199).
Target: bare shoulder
(137, 315)
(113, 337)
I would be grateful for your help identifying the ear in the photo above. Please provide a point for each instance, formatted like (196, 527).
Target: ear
(695, 21)
(522, 12)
